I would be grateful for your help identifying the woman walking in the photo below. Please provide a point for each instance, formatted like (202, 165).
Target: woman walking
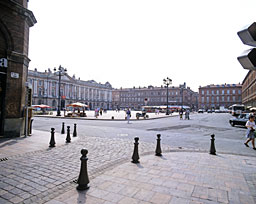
(250, 134)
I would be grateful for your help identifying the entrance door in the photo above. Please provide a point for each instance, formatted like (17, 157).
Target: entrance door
(2, 97)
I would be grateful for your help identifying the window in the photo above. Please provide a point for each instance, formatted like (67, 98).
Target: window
(234, 91)
(202, 99)
(223, 92)
(207, 99)
(228, 91)
(222, 99)
(239, 91)
(217, 99)
(207, 92)
(202, 92)
(234, 98)
(218, 92)
(212, 92)
(228, 99)
(212, 99)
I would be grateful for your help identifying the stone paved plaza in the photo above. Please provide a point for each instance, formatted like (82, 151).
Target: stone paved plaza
(41, 175)
(31, 172)
(176, 177)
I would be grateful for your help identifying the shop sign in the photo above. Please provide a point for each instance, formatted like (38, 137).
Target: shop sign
(3, 62)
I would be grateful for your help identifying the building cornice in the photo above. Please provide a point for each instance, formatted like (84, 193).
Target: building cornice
(19, 9)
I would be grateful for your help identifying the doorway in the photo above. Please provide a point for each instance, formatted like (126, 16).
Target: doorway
(2, 101)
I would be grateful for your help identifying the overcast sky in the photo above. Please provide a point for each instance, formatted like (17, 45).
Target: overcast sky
(140, 42)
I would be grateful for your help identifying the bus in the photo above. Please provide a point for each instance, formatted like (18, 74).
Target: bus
(237, 109)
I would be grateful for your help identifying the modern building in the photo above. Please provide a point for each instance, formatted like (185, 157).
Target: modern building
(249, 89)
(45, 86)
(154, 96)
(15, 21)
(222, 95)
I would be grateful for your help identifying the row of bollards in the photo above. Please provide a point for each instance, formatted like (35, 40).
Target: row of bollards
(83, 179)
(68, 138)
(158, 151)
(63, 129)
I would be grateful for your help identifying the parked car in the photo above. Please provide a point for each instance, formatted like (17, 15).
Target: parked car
(209, 111)
(217, 111)
(240, 120)
(200, 111)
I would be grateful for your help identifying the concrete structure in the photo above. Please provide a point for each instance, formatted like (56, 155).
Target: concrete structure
(154, 96)
(46, 85)
(249, 89)
(15, 20)
(213, 96)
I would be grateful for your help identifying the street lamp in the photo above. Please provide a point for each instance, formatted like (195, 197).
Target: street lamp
(61, 72)
(167, 82)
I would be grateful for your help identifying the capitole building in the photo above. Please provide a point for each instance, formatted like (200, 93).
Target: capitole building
(15, 21)
(45, 90)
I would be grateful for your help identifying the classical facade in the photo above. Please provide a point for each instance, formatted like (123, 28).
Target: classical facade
(15, 21)
(214, 96)
(249, 89)
(45, 86)
(154, 96)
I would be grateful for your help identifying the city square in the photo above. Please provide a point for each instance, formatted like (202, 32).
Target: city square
(127, 102)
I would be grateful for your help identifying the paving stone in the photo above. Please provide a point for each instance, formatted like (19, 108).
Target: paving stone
(7, 196)
(127, 200)
(16, 199)
(160, 198)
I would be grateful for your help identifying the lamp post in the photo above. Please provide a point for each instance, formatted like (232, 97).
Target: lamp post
(61, 72)
(181, 93)
(167, 82)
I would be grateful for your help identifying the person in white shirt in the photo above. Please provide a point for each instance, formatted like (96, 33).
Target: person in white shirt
(250, 134)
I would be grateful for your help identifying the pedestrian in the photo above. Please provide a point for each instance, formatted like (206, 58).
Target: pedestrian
(250, 134)
(101, 112)
(96, 112)
(187, 114)
(128, 115)
(181, 114)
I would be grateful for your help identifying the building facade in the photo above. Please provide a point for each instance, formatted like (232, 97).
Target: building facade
(154, 96)
(216, 96)
(45, 86)
(249, 89)
(15, 21)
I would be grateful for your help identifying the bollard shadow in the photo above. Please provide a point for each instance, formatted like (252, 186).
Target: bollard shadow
(217, 155)
(162, 157)
(139, 165)
(82, 196)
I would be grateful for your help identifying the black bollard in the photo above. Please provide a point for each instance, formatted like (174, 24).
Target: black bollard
(158, 146)
(52, 141)
(63, 128)
(30, 127)
(135, 156)
(212, 149)
(74, 132)
(83, 179)
(68, 138)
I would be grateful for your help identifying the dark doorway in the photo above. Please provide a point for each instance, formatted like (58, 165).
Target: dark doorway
(62, 104)
(2, 101)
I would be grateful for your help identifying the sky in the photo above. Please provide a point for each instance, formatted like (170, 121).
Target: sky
(140, 42)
